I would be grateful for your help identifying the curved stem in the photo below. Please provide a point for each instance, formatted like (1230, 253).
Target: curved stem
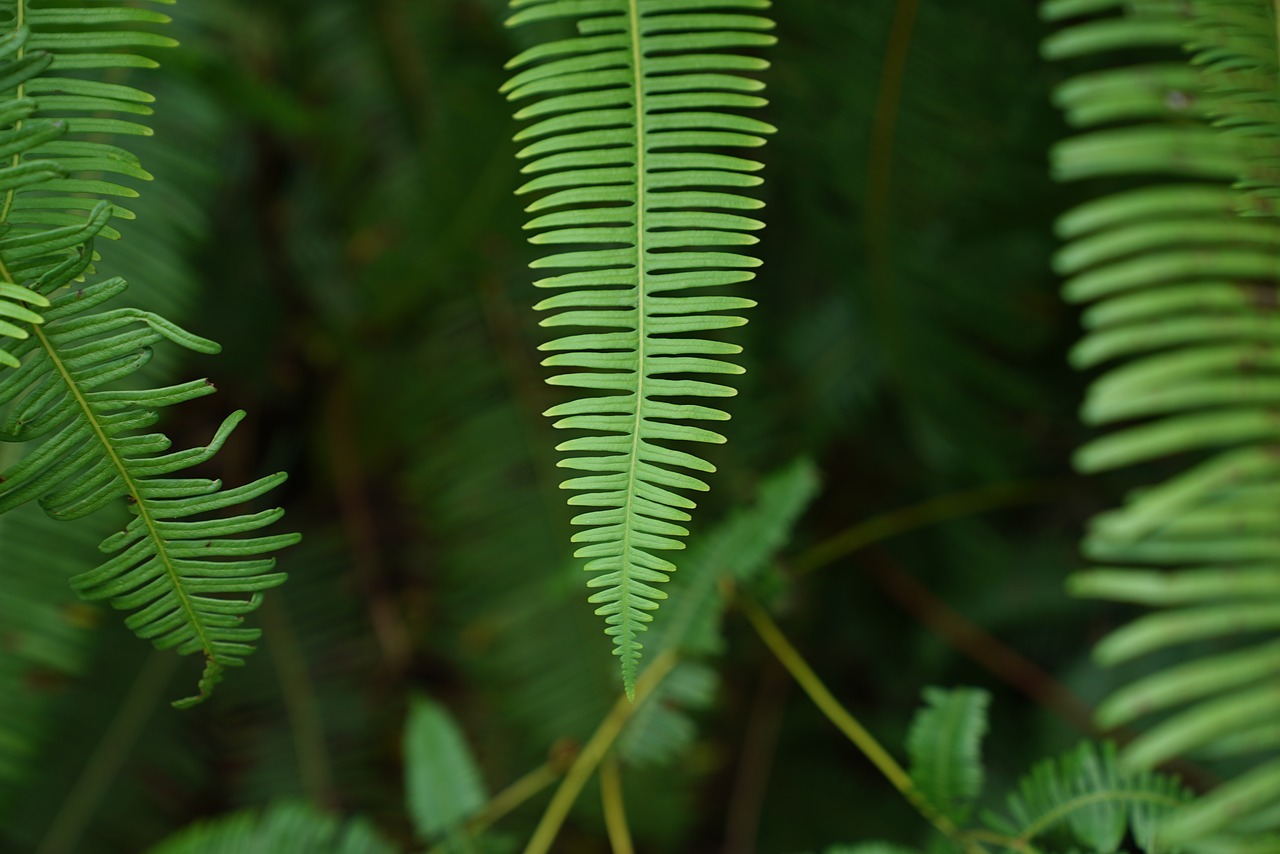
(615, 808)
(507, 800)
(594, 752)
(842, 718)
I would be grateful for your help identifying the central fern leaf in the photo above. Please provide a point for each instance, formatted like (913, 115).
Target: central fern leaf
(181, 565)
(628, 119)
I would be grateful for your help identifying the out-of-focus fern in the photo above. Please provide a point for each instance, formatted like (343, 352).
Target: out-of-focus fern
(87, 435)
(1083, 800)
(945, 746)
(1180, 277)
(287, 828)
(1086, 799)
(443, 787)
(624, 114)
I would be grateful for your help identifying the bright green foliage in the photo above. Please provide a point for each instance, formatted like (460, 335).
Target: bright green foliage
(945, 746)
(443, 787)
(88, 433)
(623, 115)
(1086, 799)
(288, 828)
(1180, 277)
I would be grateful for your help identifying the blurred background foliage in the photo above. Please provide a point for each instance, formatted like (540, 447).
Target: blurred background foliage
(333, 202)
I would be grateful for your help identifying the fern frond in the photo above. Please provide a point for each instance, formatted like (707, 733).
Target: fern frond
(55, 158)
(624, 117)
(1086, 798)
(945, 746)
(172, 564)
(172, 569)
(287, 828)
(443, 787)
(1181, 276)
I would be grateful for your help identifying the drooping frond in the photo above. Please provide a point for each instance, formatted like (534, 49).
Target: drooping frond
(68, 401)
(1180, 273)
(628, 118)
(1086, 798)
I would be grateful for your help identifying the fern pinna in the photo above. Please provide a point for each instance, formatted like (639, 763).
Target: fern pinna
(1181, 277)
(628, 118)
(181, 559)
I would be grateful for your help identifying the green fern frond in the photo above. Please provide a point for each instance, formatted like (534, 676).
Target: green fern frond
(945, 746)
(287, 828)
(1086, 798)
(172, 564)
(173, 570)
(1181, 278)
(626, 122)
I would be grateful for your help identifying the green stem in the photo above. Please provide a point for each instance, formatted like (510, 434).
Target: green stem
(841, 717)
(594, 752)
(615, 808)
(527, 787)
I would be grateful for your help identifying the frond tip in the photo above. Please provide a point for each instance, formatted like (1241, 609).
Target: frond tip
(186, 571)
(628, 119)
(91, 449)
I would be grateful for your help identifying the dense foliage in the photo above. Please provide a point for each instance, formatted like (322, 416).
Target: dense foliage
(332, 191)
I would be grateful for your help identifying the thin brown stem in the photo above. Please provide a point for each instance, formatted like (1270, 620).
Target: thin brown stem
(966, 636)
(755, 760)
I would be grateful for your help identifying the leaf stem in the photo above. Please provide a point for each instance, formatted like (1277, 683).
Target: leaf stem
(615, 808)
(508, 799)
(844, 721)
(593, 754)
